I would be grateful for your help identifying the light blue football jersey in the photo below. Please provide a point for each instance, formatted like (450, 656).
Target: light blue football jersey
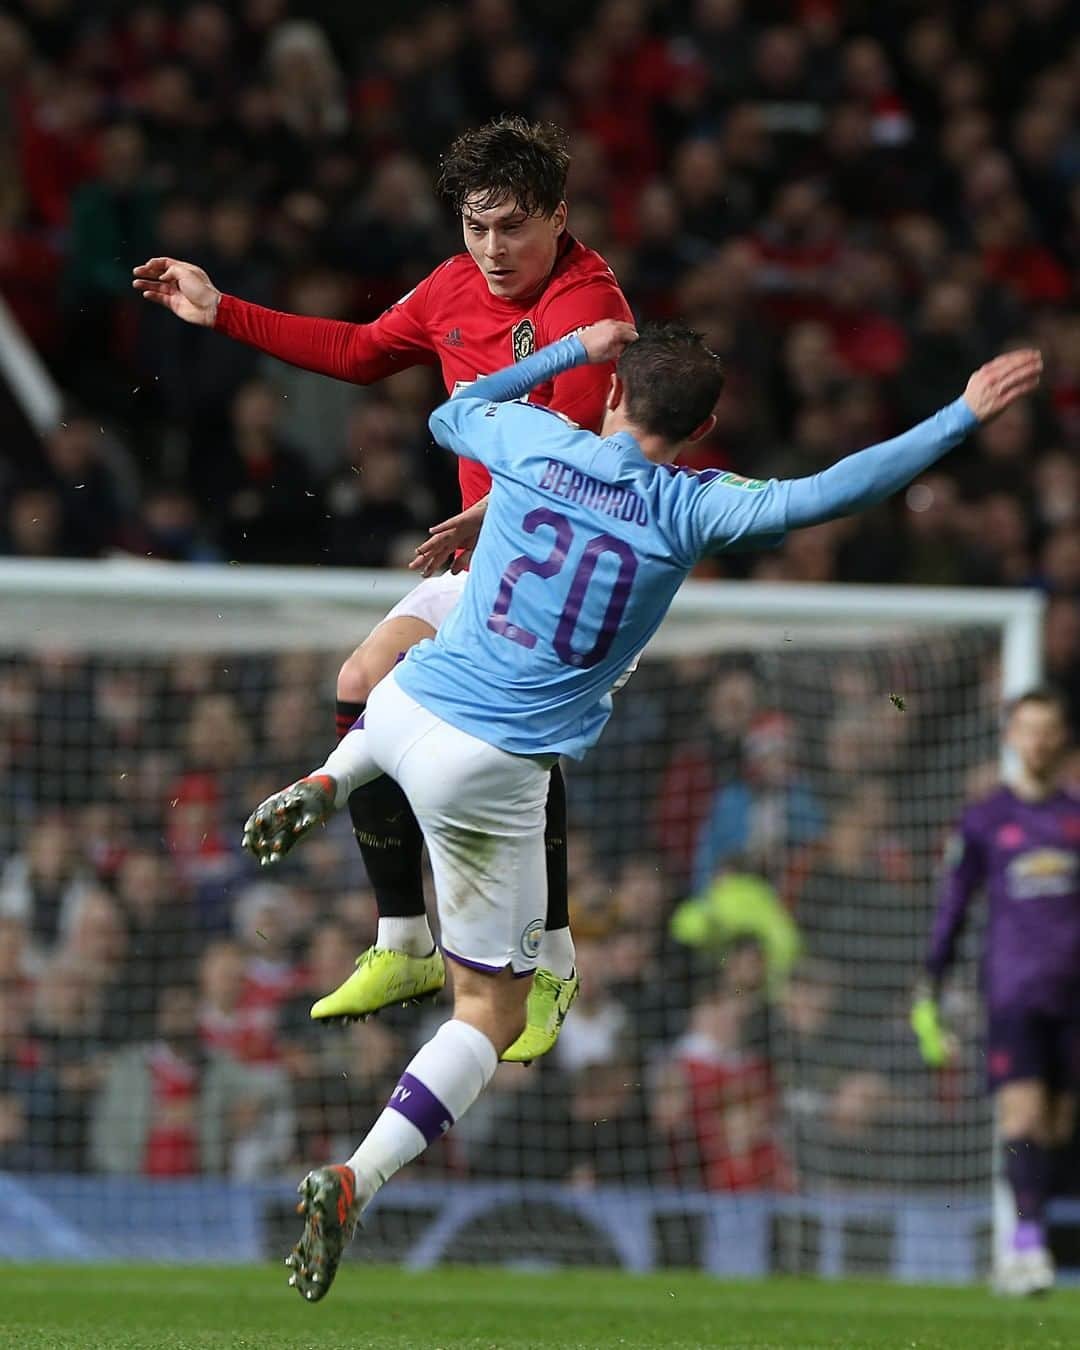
(583, 548)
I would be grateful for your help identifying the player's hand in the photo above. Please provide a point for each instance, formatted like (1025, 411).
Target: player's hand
(451, 541)
(181, 287)
(607, 340)
(935, 1043)
(285, 818)
(1002, 381)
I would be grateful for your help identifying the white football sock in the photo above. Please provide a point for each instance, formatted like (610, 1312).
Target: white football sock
(443, 1080)
(557, 953)
(350, 766)
(411, 934)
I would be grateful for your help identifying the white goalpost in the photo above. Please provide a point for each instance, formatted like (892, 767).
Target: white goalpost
(753, 854)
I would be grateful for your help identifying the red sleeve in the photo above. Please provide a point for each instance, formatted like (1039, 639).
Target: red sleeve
(580, 393)
(358, 352)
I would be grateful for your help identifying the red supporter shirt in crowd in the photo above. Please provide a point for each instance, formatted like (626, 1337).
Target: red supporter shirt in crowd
(248, 1034)
(732, 1107)
(452, 319)
(172, 1146)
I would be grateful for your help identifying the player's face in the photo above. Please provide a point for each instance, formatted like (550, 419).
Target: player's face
(514, 251)
(1038, 736)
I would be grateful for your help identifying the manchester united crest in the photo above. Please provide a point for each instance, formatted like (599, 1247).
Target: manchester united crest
(523, 339)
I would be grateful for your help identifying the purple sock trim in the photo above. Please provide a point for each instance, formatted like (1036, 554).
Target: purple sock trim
(1028, 1236)
(420, 1107)
(358, 725)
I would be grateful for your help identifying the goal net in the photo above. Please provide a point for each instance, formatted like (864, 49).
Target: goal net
(753, 851)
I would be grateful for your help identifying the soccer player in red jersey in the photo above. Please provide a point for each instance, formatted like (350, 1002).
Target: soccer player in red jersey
(524, 282)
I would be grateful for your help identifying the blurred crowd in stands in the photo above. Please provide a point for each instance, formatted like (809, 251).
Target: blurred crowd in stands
(858, 204)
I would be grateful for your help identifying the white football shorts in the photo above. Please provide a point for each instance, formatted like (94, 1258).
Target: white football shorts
(431, 601)
(482, 813)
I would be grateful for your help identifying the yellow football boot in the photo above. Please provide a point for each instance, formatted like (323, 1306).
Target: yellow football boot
(382, 977)
(550, 999)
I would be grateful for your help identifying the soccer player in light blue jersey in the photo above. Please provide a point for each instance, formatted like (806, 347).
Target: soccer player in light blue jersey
(587, 539)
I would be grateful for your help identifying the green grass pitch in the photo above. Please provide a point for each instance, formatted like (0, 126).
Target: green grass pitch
(250, 1308)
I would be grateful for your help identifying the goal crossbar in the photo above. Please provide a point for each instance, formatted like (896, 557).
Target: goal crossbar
(267, 608)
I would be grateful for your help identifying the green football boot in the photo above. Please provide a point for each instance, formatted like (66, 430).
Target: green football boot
(328, 1204)
(550, 999)
(382, 977)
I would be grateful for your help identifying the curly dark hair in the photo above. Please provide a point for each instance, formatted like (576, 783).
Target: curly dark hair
(508, 159)
(672, 380)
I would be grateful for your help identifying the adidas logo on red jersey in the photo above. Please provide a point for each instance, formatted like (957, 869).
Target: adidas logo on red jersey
(454, 338)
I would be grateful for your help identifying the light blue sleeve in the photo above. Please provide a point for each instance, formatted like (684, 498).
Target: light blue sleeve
(730, 516)
(468, 423)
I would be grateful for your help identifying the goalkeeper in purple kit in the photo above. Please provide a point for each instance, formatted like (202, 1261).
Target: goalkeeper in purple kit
(1021, 846)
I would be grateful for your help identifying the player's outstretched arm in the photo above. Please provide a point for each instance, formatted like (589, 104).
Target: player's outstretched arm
(358, 352)
(870, 476)
(726, 517)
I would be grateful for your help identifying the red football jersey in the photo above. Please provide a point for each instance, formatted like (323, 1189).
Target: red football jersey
(452, 318)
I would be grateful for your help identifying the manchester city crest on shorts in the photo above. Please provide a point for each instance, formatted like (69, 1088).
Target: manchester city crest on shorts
(531, 938)
(523, 339)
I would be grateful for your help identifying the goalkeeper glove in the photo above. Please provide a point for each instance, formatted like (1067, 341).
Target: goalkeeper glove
(285, 818)
(929, 1030)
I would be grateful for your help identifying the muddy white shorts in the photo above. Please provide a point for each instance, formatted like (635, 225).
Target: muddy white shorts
(431, 601)
(482, 812)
